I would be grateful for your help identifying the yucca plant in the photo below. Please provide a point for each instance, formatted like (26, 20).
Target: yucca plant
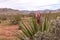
(30, 30)
(34, 26)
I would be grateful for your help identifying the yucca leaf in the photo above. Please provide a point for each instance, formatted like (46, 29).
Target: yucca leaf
(45, 24)
(29, 27)
(27, 32)
(41, 27)
(19, 35)
(23, 29)
(35, 25)
(33, 29)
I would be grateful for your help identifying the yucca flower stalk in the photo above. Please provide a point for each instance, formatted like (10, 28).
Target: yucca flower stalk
(37, 16)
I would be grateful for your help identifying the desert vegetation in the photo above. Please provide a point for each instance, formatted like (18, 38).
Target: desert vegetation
(32, 26)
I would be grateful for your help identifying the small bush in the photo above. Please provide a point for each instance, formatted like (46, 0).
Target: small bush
(14, 22)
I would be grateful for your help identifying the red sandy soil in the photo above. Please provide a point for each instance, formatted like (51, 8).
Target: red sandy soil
(7, 31)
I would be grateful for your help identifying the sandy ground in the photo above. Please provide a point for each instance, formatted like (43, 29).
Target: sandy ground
(6, 32)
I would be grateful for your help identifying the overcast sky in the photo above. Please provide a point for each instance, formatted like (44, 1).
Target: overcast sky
(30, 4)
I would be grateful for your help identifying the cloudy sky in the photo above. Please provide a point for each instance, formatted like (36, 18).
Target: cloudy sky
(30, 4)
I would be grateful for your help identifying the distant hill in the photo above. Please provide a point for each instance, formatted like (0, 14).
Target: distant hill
(13, 11)
(9, 11)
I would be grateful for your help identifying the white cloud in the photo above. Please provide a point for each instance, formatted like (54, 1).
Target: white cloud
(27, 4)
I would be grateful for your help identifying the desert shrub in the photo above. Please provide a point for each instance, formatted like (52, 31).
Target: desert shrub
(3, 18)
(13, 22)
(15, 19)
